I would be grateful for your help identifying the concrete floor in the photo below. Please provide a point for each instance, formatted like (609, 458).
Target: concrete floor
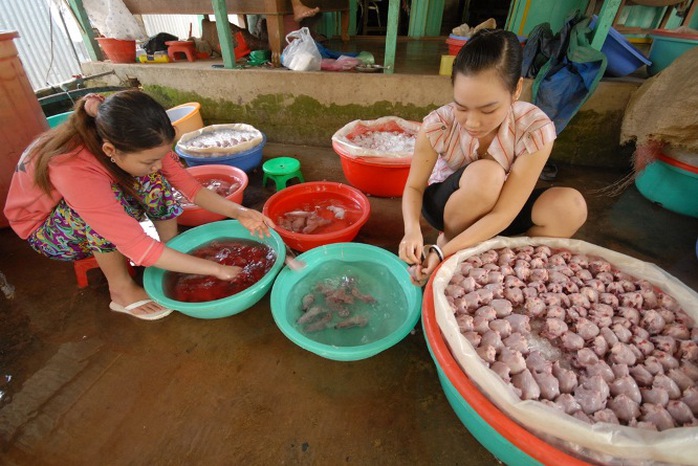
(81, 385)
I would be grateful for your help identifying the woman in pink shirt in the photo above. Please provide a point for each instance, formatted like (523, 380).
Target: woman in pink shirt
(82, 188)
(477, 160)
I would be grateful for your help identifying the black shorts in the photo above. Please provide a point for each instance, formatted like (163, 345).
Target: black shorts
(436, 195)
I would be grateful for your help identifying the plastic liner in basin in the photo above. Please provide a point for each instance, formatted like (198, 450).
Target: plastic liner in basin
(377, 272)
(153, 278)
(508, 441)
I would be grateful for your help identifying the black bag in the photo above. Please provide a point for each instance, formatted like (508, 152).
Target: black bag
(156, 43)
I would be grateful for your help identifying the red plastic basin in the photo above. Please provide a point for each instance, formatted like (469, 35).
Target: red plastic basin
(194, 215)
(517, 435)
(306, 196)
(374, 178)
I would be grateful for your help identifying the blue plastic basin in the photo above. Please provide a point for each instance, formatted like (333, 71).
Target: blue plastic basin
(190, 240)
(386, 326)
(57, 119)
(622, 57)
(669, 185)
(246, 160)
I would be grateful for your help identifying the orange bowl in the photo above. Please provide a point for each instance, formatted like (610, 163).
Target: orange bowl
(373, 177)
(194, 215)
(319, 195)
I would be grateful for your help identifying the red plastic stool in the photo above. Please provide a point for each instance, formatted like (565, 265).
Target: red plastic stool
(186, 47)
(83, 265)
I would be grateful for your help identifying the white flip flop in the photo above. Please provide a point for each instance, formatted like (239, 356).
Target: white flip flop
(127, 310)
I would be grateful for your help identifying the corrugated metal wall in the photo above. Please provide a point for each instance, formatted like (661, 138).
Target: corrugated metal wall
(50, 46)
(45, 49)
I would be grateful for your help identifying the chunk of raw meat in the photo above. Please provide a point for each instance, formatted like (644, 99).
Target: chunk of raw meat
(548, 384)
(465, 323)
(690, 397)
(567, 403)
(606, 415)
(534, 307)
(657, 396)
(492, 338)
(608, 334)
(665, 382)
(680, 412)
(525, 382)
(502, 370)
(502, 327)
(555, 312)
(653, 365)
(554, 328)
(535, 362)
(487, 353)
(620, 370)
(688, 350)
(516, 342)
(689, 369)
(626, 386)
(657, 415)
(645, 346)
(591, 394)
(586, 329)
(641, 375)
(600, 346)
(581, 416)
(473, 337)
(664, 343)
(514, 295)
(601, 369)
(486, 312)
(502, 307)
(513, 359)
(666, 360)
(624, 407)
(481, 324)
(571, 341)
(622, 354)
(653, 322)
(566, 377)
(519, 323)
(586, 357)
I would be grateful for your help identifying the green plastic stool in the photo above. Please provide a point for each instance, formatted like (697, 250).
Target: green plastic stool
(281, 169)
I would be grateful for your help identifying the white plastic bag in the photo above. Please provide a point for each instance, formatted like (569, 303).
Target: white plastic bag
(301, 53)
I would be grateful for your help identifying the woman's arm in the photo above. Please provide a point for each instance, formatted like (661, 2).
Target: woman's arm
(517, 188)
(251, 219)
(176, 261)
(423, 161)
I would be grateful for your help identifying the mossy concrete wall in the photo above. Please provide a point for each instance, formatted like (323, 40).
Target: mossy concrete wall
(308, 107)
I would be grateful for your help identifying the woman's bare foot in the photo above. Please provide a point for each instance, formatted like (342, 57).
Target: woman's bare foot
(131, 294)
(300, 11)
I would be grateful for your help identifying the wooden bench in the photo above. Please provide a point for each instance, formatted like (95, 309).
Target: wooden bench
(274, 10)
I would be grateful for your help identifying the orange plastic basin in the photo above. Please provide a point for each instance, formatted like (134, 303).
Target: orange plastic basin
(306, 196)
(194, 215)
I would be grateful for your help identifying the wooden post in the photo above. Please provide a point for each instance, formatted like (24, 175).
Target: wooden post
(603, 25)
(391, 36)
(88, 37)
(225, 37)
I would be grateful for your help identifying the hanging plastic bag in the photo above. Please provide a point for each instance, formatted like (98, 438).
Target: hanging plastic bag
(301, 53)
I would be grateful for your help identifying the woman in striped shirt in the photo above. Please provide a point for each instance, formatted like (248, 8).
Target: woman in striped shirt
(477, 160)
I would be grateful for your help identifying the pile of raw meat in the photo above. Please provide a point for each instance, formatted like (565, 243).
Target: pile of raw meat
(386, 141)
(332, 304)
(310, 220)
(220, 187)
(576, 334)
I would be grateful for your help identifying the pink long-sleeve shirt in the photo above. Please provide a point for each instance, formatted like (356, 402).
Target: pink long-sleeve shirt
(86, 186)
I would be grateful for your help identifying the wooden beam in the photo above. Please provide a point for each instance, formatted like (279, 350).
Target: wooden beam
(604, 23)
(225, 37)
(391, 36)
(88, 36)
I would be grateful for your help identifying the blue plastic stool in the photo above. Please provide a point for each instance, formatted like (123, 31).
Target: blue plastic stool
(281, 169)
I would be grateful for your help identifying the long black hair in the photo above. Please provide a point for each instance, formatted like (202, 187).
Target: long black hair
(131, 120)
(491, 49)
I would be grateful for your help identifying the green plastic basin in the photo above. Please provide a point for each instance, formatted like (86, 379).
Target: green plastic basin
(380, 273)
(191, 239)
(671, 184)
(57, 119)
